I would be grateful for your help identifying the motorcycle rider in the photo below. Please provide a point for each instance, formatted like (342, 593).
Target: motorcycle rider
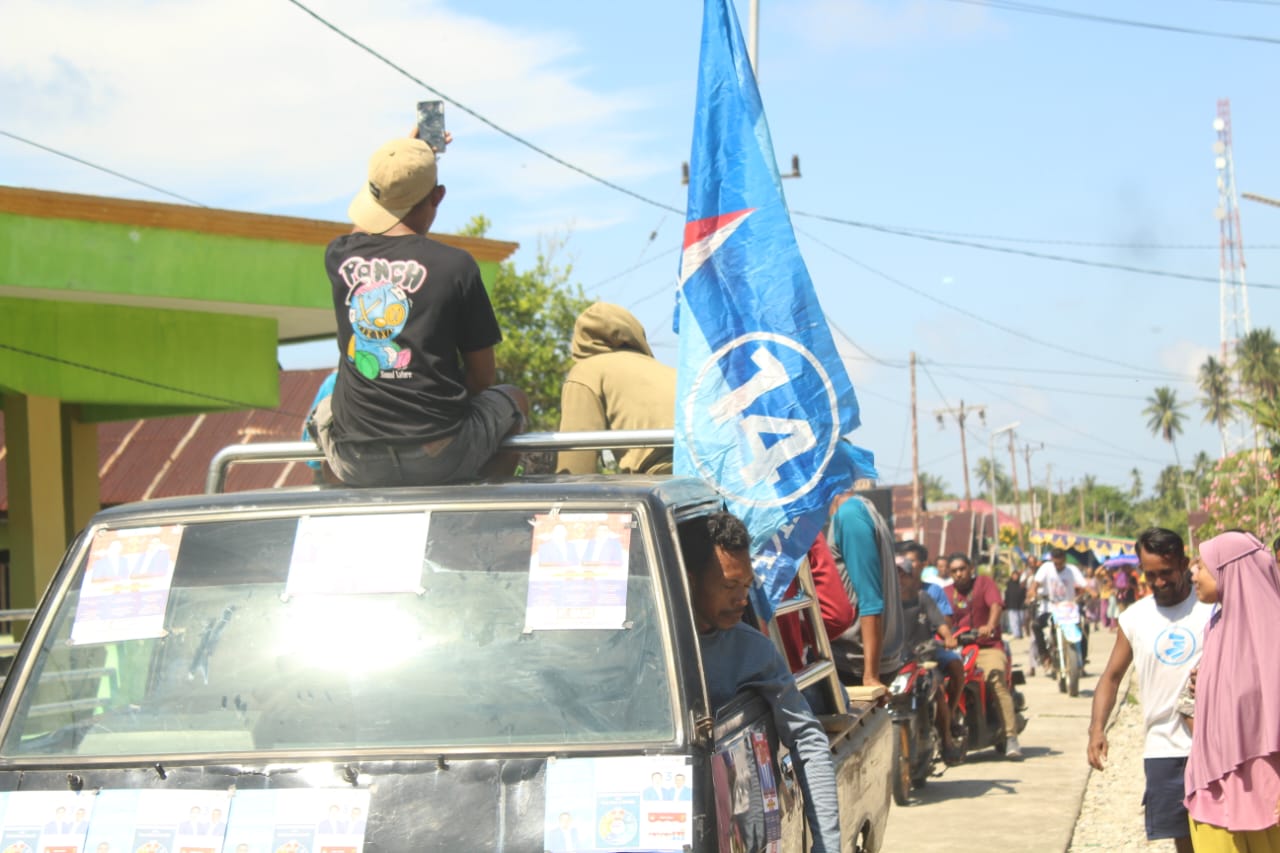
(944, 654)
(924, 618)
(1055, 582)
(977, 603)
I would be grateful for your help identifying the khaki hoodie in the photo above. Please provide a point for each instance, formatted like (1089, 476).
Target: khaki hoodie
(616, 383)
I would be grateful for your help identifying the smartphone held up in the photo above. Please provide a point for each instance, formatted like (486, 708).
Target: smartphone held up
(431, 124)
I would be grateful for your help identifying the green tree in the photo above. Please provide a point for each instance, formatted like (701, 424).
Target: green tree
(536, 309)
(1135, 487)
(983, 471)
(1215, 384)
(1258, 363)
(934, 488)
(1165, 417)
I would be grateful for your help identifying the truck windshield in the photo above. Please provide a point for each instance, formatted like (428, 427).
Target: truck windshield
(450, 629)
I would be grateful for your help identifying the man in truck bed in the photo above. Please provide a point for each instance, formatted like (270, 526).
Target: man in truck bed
(717, 558)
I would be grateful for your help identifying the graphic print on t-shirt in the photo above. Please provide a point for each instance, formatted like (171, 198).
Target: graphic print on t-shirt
(1175, 645)
(378, 299)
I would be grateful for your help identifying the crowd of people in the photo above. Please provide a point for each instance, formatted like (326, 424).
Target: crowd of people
(415, 402)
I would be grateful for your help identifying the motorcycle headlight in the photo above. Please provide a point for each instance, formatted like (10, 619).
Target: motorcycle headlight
(899, 683)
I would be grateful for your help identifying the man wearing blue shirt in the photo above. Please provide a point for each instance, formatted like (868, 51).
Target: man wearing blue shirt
(736, 656)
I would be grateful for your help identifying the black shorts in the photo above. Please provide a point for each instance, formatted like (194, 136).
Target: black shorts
(1166, 815)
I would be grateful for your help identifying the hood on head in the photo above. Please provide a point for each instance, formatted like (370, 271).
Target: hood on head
(606, 328)
(1227, 548)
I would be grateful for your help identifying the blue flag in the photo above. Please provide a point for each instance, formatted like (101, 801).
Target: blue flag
(764, 399)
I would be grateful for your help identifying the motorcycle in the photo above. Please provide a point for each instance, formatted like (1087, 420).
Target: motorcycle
(1065, 636)
(977, 724)
(914, 695)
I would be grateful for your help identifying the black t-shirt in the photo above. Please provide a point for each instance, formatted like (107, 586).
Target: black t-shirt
(407, 308)
(1015, 595)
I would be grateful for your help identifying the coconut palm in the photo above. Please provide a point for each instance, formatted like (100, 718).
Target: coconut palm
(1165, 419)
(1215, 385)
(1258, 364)
(1135, 490)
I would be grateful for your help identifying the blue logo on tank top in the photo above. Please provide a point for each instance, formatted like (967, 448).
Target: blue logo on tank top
(1175, 645)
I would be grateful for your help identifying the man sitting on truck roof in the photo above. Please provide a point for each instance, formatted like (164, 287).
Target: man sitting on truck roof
(717, 558)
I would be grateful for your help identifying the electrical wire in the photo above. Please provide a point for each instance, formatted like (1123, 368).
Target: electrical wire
(978, 317)
(480, 118)
(1030, 8)
(1043, 256)
(111, 172)
(1087, 244)
(199, 395)
(1081, 391)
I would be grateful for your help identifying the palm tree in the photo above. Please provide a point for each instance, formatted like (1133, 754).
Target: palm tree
(1215, 385)
(1165, 418)
(1135, 490)
(984, 472)
(1258, 363)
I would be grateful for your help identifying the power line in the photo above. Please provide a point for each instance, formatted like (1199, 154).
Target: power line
(1045, 241)
(975, 316)
(631, 269)
(199, 395)
(111, 172)
(1128, 453)
(1011, 6)
(916, 235)
(1081, 391)
(482, 119)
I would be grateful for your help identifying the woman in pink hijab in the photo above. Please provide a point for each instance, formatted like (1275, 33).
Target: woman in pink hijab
(1233, 774)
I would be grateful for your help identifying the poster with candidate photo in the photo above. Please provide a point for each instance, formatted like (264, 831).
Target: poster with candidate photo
(619, 803)
(53, 821)
(578, 571)
(169, 821)
(126, 584)
(298, 821)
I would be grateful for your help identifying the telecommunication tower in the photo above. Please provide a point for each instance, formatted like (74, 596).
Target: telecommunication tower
(1233, 293)
(1233, 312)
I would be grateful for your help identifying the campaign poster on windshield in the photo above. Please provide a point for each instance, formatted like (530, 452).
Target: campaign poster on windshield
(299, 820)
(358, 554)
(46, 821)
(578, 571)
(193, 821)
(642, 803)
(126, 584)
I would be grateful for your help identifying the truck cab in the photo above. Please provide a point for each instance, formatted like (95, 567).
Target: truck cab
(492, 666)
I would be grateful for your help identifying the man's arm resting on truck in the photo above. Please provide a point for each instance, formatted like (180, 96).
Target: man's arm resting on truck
(804, 735)
(1104, 698)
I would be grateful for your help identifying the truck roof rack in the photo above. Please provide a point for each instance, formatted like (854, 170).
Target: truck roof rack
(307, 451)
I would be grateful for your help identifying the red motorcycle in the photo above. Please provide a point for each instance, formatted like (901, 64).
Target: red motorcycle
(914, 695)
(977, 724)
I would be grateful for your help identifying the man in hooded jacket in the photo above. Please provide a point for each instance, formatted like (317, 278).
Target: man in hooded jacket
(615, 383)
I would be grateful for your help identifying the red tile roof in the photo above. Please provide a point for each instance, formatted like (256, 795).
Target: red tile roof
(164, 457)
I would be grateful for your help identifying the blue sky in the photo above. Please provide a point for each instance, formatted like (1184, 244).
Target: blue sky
(920, 114)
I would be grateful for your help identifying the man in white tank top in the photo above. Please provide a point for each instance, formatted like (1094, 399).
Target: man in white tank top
(1161, 635)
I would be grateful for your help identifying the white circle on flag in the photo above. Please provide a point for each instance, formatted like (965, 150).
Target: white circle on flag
(690, 427)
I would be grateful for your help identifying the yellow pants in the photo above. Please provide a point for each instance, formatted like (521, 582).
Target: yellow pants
(1207, 838)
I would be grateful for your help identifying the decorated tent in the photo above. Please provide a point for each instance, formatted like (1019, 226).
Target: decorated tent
(1102, 547)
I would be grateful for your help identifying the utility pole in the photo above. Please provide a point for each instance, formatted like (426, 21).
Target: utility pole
(1081, 491)
(753, 36)
(960, 413)
(1017, 496)
(1048, 486)
(915, 457)
(1027, 450)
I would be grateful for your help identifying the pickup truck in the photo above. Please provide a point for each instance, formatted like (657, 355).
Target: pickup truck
(504, 666)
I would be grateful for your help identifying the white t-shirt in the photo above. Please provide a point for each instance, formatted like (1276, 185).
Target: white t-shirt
(1166, 642)
(1058, 585)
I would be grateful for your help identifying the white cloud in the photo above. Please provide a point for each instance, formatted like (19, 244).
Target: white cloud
(257, 105)
(1184, 357)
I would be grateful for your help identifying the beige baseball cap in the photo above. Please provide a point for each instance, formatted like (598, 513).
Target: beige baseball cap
(401, 174)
